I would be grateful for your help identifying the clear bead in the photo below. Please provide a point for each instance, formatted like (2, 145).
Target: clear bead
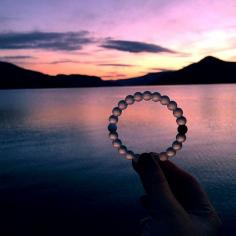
(176, 145)
(156, 97)
(178, 112)
(163, 156)
(122, 104)
(138, 96)
(181, 120)
(122, 150)
(147, 95)
(172, 105)
(170, 152)
(165, 100)
(117, 143)
(116, 111)
(181, 138)
(129, 99)
(113, 135)
(113, 119)
(130, 155)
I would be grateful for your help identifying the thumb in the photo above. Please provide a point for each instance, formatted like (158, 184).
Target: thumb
(162, 201)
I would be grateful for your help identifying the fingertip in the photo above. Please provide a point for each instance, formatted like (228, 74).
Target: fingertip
(147, 164)
(140, 161)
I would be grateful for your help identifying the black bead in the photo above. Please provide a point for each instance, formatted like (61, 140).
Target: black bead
(112, 127)
(182, 129)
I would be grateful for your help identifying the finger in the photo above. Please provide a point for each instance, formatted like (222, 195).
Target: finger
(162, 201)
(186, 189)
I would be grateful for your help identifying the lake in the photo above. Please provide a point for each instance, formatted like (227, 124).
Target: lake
(60, 175)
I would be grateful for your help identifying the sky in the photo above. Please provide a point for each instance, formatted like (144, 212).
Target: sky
(115, 39)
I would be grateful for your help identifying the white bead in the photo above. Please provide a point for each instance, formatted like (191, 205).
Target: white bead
(122, 150)
(176, 145)
(113, 135)
(116, 143)
(138, 96)
(181, 120)
(170, 152)
(113, 119)
(129, 99)
(163, 156)
(181, 138)
(130, 155)
(147, 95)
(156, 97)
(172, 105)
(165, 100)
(178, 112)
(122, 104)
(116, 111)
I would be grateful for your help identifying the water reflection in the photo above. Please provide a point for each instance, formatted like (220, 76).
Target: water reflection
(59, 137)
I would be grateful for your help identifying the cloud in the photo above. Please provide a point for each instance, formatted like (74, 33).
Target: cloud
(113, 75)
(160, 69)
(115, 65)
(68, 41)
(63, 61)
(134, 46)
(16, 57)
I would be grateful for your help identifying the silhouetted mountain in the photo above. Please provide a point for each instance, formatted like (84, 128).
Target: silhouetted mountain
(209, 70)
(12, 76)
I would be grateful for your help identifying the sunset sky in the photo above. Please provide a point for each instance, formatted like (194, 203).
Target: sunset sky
(115, 39)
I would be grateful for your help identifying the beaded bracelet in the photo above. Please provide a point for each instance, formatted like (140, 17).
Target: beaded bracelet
(148, 96)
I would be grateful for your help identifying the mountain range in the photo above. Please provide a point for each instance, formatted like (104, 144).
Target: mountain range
(209, 70)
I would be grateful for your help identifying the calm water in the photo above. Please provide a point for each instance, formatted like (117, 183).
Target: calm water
(60, 175)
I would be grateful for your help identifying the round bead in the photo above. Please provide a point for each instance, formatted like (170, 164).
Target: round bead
(113, 135)
(113, 119)
(116, 143)
(122, 104)
(170, 152)
(163, 156)
(181, 120)
(182, 129)
(176, 145)
(122, 150)
(156, 97)
(116, 111)
(138, 96)
(181, 137)
(147, 95)
(165, 100)
(129, 99)
(129, 155)
(178, 112)
(112, 127)
(172, 105)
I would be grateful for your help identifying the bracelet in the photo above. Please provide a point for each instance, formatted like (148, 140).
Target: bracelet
(155, 97)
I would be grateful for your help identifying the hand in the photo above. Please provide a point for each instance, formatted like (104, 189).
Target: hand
(175, 201)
